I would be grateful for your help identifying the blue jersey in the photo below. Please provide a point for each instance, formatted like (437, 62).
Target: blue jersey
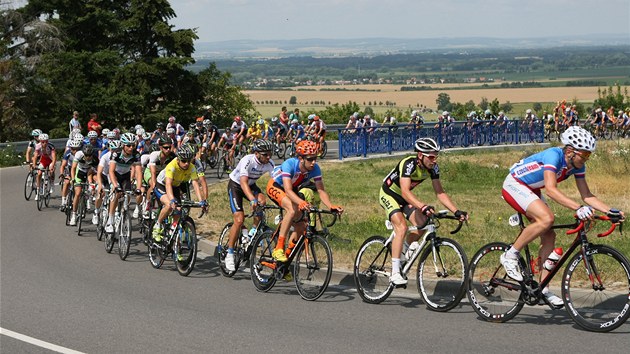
(98, 145)
(291, 169)
(530, 171)
(299, 131)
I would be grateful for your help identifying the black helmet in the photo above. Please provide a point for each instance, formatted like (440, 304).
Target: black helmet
(426, 145)
(88, 149)
(262, 145)
(154, 147)
(185, 152)
(163, 139)
(159, 125)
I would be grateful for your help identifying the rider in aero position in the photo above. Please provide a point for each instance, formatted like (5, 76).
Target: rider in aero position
(522, 190)
(169, 182)
(400, 203)
(120, 166)
(282, 189)
(243, 185)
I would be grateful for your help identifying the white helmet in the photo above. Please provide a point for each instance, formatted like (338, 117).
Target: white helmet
(139, 131)
(75, 144)
(445, 113)
(579, 139)
(414, 114)
(105, 132)
(528, 111)
(170, 131)
(138, 126)
(111, 135)
(43, 137)
(78, 137)
(568, 109)
(92, 134)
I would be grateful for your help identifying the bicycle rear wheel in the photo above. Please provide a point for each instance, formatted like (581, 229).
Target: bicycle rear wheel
(80, 213)
(324, 150)
(124, 236)
(313, 268)
(223, 247)
(109, 241)
(221, 167)
(597, 297)
(29, 186)
(441, 275)
(262, 264)
(372, 268)
(68, 207)
(186, 247)
(493, 295)
(47, 192)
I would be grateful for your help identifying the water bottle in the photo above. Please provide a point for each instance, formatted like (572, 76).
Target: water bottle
(173, 226)
(403, 254)
(252, 232)
(412, 249)
(244, 236)
(553, 258)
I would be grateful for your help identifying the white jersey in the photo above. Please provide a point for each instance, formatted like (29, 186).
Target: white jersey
(105, 163)
(144, 159)
(236, 127)
(250, 166)
(315, 125)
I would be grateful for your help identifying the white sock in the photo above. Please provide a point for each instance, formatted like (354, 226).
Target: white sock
(512, 253)
(395, 265)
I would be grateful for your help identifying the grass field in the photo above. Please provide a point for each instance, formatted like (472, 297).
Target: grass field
(472, 179)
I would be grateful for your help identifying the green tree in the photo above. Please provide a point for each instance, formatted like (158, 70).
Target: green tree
(495, 106)
(483, 104)
(293, 100)
(443, 102)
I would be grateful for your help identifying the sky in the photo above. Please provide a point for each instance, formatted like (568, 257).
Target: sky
(220, 20)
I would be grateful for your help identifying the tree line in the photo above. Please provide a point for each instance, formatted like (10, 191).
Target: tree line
(122, 60)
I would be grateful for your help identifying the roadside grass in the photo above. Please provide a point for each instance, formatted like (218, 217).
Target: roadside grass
(473, 179)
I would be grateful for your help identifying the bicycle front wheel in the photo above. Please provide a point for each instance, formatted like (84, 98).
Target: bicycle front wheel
(441, 275)
(29, 186)
(186, 247)
(124, 236)
(372, 268)
(595, 290)
(494, 296)
(313, 268)
(223, 248)
(40, 195)
(80, 213)
(222, 167)
(262, 264)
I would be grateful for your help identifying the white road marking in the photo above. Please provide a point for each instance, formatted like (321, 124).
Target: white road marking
(37, 342)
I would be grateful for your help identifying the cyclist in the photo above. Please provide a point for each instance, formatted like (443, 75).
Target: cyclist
(309, 123)
(296, 132)
(45, 157)
(93, 139)
(178, 128)
(102, 176)
(243, 185)
(84, 166)
(318, 129)
(240, 129)
(157, 162)
(121, 165)
(282, 189)
(279, 130)
(64, 171)
(213, 136)
(522, 190)
(228, 141)
(255, 132)
(159, 130)
(400, 203)
(168, 186)
(31, 147)
(294, 115)
(284, 118)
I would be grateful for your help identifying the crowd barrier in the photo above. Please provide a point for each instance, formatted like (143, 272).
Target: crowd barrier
(388, 139)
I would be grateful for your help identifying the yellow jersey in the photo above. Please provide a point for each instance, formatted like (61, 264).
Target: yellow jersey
(176, 174)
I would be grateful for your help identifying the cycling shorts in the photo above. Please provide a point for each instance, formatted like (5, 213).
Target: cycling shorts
(146, 177)
(394, 203)
(236, 195)
(124, 181)
(275, 192)
(80, 176)
(160, 190)
(518, 195)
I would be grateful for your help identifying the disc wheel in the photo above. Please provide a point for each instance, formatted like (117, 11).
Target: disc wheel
(372, 268)
(262, 264)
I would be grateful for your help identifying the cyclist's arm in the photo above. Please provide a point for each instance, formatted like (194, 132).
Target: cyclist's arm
(551, 185)
(246, 189)
(73, 170)
(53, 155)
(168, 184)
(442, 196)
(198, 192)
(323, 195)
(138, 174)
(153, 170)
(112, 174)
(29, 150)
(204, 187)
(588, 197)
(408, 196)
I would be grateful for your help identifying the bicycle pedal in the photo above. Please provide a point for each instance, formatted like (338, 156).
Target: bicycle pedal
(402, 286)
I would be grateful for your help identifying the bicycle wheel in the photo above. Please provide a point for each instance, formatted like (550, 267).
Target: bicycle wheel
(29, 186)
(372, 268)
(40, 195)
(186, 247)
(281, 149)
(221, 167)
(262, 264)
(47, 192)
(313, 268)
(493, 295)
(212, 159)
(223, 247)
(100, 225)
(109, 242)
(68, 207)
(324, 150)
(441, 275)
(597, 297)
(80, 212)
(124, 236)
(156, 253)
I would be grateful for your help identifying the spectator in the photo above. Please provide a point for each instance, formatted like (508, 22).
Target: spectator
(74, 122)
(93, 125)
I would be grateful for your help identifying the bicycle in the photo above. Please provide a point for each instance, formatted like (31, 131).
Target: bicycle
(43, 191)
(313, 258)
(441, 272)
(82, 206)
(29, 184)
(243, 245)
(102, 215)
(595, 283)
(122, 227)
(180, 240)
(224, 163)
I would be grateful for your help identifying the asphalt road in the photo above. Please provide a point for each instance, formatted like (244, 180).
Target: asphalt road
(65, 290)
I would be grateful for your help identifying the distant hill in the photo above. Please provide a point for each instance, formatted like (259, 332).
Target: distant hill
(379, 46)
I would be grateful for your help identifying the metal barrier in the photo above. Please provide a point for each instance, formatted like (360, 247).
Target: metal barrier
(387, 139)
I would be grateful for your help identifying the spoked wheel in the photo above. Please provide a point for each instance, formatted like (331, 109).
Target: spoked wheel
(29, 185)
(324, 151)
(110, 239)
(102, 219)
(186, 247)
(262, 265)
(68, 207)
(222, 167)
(156, 253)
(124, 236)
(41, 195)
(212, 159)
(313, 268)
(80, 213)
(47, 193)
(281, 149)
(597, 298)
(372, 268)
(494, 296)
(223, 248)
(441, 275)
